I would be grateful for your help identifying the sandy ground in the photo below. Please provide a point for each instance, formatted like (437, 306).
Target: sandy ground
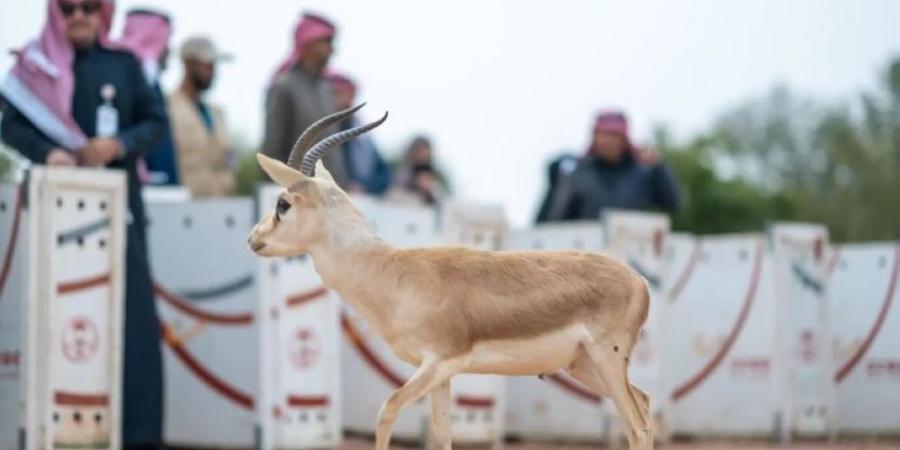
(356, 443)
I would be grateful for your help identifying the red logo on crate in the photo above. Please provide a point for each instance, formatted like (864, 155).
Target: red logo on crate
(807, 346)
(818, 248)
(880, 368)
(9, 364)
(80, 339)
(305, 348)
(750, 367)
(659, 240)
(9, 358)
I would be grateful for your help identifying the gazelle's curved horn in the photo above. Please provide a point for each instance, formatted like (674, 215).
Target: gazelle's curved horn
(311, 134)
(308, 165)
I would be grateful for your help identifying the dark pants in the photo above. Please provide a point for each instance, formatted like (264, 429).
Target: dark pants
(142, 396)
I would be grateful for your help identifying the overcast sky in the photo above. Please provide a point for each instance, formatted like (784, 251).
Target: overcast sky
(502, 86)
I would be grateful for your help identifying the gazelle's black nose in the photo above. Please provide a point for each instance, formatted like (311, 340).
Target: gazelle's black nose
(257, 246)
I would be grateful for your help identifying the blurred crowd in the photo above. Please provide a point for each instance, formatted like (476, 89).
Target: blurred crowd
(80, 97)
(192, 145)
(197, 152)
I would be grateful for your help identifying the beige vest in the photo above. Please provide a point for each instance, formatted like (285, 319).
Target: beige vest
(202, 154)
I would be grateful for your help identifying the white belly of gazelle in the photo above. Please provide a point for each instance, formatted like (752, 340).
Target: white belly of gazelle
(544, 353)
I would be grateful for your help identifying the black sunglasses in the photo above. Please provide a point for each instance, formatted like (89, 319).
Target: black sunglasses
(88, 7)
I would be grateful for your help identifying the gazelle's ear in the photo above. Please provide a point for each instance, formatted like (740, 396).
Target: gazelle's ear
(278, 171)
(322, 172)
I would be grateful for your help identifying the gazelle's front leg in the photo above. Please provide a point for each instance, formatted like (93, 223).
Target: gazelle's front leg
(430, 374)
(440, 416)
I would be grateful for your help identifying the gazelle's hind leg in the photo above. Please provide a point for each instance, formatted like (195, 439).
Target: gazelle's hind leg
(642, 399)
(633, 405)
(582, 369)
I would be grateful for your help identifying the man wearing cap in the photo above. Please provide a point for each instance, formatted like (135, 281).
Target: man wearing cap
(202, 144)
(300, 94)
(614, 173)
(74, 97)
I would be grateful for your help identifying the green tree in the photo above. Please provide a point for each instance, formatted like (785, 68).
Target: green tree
(833, 164)
(247, 173)
(712, 203)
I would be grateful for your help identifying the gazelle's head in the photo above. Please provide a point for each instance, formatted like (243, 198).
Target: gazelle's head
(300, 216)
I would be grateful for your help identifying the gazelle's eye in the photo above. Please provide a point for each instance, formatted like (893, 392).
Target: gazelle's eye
(282, 206)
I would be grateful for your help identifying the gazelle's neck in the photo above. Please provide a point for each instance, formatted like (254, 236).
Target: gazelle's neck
(350, 254)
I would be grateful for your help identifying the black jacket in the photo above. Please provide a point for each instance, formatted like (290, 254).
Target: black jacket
(142, 116)
(597, 185)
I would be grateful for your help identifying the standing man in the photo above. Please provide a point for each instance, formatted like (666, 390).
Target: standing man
(366, 169)
(202, 143)
(300, 94)
(146, 34)
(614, 174)
(74, 98)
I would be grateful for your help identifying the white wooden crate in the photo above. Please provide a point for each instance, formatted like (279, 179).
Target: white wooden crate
(14, 238)
(804, 363)
(299, 402)
(473, 224)
(62, 286)
(865, 310)
(720, 341)
(205, 284)
(638, 239)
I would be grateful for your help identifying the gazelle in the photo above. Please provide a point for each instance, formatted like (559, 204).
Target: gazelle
(460, 310)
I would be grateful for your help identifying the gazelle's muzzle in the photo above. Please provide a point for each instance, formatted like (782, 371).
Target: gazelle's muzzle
(255, 240)
(256, 246)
